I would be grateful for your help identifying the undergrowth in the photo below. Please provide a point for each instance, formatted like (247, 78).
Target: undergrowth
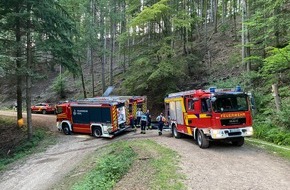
(118, 159)
(14, 142)
(109, 169)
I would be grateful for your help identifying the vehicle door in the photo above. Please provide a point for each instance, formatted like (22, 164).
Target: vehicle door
(205, 116)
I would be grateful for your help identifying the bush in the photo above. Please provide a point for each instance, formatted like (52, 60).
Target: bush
(59, 86)
(269, 132)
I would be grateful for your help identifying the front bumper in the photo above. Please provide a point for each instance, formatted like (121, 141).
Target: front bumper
(229, 133)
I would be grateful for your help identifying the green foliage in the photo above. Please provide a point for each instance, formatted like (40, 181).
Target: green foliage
(229, 83)
(225, 27)
(109, 169)
(152, 13)
(283, 119)
(155, 72)
(183, 20)
(59, 86)
(277, 62)
(52, 32)
(269, 132)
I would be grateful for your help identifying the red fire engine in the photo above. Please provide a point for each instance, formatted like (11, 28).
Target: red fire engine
(100, 116)
(209, 115)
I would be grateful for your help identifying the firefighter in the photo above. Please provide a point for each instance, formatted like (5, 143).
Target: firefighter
(138, 115)
(161, 120)
(143, 120)
(132, 122)
(148, 119)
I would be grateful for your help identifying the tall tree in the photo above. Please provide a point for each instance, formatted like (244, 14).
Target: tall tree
(48, 30)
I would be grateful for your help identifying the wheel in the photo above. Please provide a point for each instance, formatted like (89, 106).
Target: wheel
(43, 111)
(238, 141)
(201, 140)
(175, 133)
(97, 131)
(65, 129)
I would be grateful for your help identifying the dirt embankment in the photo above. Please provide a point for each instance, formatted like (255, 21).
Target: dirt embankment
(220, 167)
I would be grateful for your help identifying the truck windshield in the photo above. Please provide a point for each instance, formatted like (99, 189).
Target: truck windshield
(230, 103)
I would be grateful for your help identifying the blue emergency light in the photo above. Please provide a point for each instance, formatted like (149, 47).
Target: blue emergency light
(212, 89)
(238, 89)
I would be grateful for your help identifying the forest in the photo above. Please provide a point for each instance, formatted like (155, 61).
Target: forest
(150, 47)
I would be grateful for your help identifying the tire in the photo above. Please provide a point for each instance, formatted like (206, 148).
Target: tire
(175, 133)
(97, 132)
(201, 140)
(43, 111)
(65, 129)
(238, 141)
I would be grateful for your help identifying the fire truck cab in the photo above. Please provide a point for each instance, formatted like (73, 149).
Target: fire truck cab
(208, 115)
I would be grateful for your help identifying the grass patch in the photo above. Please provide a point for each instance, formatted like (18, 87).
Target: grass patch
(165, 165)
(14, 144)
(112, 162)
(109, 168)
(282, 151)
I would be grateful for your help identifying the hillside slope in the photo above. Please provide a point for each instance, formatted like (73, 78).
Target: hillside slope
(221, 61)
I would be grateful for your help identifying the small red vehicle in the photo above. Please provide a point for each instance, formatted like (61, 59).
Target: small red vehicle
(43, 108)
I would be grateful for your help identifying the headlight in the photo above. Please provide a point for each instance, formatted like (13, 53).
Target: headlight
(216, 134)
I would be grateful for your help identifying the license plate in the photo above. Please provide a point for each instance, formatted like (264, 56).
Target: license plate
(234, 130)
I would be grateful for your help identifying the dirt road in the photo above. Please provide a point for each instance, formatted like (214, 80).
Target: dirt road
(219, 167)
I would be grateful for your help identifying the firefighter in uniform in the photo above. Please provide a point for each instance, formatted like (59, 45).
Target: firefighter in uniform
(143, 121)
(161, 120)
(148, 120)
(138, 115)
(132, 122)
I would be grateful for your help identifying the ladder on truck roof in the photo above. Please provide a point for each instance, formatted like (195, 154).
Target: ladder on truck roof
(210, 90)
(99, 103)
(108, 98)
(114, 98)
(184, 93)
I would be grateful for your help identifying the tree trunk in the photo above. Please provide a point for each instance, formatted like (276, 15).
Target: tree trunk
(235, 20)
(248, 50)
(184, 33)
(82, 77)
(276, 97)
(103, 47)
(245, 39)
(92, 69)
(28, 76)
(215, 15)
(19, 74)
(223, 11)
(113, 32)
(123, 30)
(90, 48)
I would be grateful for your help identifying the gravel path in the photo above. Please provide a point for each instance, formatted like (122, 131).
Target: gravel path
(219, 167)
(227, 167)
